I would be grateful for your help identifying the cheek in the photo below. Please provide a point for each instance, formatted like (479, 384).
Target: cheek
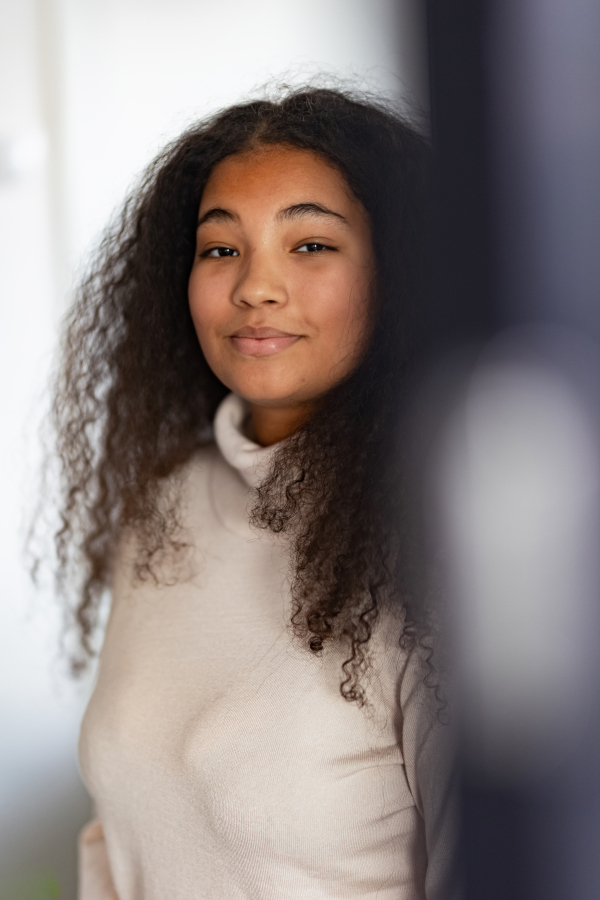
(206, 306)
(336, 302)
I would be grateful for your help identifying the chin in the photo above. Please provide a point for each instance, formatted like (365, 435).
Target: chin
(269, 398)
(271, 394)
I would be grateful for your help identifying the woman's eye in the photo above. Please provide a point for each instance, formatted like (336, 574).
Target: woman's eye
(312, 247)
(217, 252)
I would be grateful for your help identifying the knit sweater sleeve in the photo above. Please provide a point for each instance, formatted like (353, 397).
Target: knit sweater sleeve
(428, 746)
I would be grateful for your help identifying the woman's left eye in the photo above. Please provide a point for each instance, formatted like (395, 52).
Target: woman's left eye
(312, 247)
(219, 252)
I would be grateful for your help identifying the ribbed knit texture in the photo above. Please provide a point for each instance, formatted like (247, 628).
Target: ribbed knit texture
(223, 761)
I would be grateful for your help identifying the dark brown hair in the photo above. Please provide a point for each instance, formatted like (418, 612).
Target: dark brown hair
(135, 397)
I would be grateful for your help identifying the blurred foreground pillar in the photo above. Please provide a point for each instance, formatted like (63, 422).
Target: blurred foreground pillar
(515, 90)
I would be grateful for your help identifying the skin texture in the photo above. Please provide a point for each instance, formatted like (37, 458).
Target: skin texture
(267, 258)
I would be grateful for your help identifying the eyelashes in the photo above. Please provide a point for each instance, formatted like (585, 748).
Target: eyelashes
(310, 247)
(220, 252)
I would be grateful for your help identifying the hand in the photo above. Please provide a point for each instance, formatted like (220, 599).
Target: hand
(95, 877)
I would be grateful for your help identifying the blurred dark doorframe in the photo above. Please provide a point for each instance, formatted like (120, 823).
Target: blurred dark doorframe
(515, 106)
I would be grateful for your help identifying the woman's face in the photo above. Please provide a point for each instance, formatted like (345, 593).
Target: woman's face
(280, 287)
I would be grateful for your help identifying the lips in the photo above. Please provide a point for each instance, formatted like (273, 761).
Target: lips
(262, 341)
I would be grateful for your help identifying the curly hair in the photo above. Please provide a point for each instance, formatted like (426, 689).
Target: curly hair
(135, 398)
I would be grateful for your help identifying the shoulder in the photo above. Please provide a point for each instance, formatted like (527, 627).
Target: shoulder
(181, 505)
(198, 505)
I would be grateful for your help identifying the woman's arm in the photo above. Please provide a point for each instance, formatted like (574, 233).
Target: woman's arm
(95, 878)
(428, 745)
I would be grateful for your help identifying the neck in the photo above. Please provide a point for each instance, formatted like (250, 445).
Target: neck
(273, 424)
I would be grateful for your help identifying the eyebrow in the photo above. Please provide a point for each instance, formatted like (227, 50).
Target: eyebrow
(218, 214)
(300, 210)
(297, 211)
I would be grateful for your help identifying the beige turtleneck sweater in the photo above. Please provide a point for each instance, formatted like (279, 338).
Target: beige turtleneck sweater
(223, 761)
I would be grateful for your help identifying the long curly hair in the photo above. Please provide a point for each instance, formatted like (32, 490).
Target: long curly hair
(135, 398)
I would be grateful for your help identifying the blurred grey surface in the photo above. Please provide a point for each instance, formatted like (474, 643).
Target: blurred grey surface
(47, 808)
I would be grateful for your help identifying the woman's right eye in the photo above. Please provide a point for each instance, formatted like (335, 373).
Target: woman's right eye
(217, 252)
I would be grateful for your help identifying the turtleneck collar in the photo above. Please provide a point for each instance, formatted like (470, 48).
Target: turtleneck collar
(250, 459)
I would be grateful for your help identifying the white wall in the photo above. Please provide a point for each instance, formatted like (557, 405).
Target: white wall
(133, 74)
(38, 712)
(89, 90)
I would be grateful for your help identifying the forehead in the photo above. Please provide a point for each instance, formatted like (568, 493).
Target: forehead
(277, 176)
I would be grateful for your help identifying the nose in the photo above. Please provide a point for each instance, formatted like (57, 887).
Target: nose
(261, 282)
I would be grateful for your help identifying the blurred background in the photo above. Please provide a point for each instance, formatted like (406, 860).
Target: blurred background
(90, 90)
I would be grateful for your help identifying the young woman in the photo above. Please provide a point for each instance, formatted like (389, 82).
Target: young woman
(234, 370)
